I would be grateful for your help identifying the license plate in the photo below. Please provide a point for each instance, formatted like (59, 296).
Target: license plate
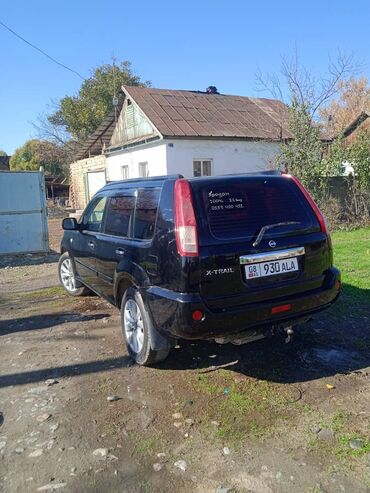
(273, 268)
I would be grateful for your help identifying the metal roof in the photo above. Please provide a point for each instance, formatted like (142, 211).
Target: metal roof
(100, 138)
(192, 114)
(356, 123)
(195, 114)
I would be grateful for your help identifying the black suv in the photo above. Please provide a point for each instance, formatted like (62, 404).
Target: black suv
(230, 258)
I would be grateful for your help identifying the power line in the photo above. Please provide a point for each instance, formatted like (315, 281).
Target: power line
(41, 51)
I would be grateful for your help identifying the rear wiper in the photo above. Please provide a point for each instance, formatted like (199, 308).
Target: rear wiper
(270, 226)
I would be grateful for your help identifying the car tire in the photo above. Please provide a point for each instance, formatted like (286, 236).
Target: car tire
(137, 327)
(67, 278)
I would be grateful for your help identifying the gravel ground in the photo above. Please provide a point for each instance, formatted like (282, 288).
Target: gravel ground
(267, 417)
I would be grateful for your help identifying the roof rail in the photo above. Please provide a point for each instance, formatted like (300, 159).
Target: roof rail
(143, 179)
(270, 172)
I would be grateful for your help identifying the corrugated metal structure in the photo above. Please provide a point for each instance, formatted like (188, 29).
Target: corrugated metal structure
(23, 213)
(195, 114)
(190, 114)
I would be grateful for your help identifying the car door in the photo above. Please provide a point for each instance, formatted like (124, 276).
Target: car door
(84, 244)
(113, 242)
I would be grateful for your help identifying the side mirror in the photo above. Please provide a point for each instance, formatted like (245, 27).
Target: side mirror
(69, 223)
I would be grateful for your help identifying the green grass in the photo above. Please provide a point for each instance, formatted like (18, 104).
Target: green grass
(352, 257)
(147, 446)
(251, 408)
(54, 292)
(340, 420)
(343, 448)
(345, 429)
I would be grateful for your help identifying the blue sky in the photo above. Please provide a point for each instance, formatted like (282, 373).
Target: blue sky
(179, 45)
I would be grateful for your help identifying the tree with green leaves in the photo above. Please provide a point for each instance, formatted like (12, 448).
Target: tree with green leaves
(358, 155)
(35, 153)
(302, 155)
(79, 115)
(307, 94)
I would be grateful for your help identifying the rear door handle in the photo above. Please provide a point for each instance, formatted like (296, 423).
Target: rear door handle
(91, 244)
(120, 251)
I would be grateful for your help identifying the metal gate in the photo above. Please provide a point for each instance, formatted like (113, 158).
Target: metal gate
(23, 214)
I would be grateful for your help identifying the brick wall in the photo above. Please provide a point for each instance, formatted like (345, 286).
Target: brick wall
(78, 170)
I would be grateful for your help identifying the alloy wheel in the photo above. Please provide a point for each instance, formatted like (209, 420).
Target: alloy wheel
(67, 275)
(133, 326)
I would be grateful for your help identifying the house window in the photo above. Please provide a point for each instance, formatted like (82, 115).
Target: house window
(124, 172)
(202, 167)
(143, 170)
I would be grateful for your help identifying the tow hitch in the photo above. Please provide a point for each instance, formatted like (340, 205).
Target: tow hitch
(289, 334)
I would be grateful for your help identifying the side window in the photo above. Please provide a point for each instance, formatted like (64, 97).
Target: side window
(146, 213)
(92, 221)
(119, 215)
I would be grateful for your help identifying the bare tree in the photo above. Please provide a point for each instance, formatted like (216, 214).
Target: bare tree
(303, 88)
(47, 130)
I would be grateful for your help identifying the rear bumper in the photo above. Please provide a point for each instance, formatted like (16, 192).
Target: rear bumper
(172, 312)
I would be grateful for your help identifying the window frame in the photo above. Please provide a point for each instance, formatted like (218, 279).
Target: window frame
(202, 161)
(143, 163)
(138, 190)
(131, 192)
(89, 209)
(126, 168)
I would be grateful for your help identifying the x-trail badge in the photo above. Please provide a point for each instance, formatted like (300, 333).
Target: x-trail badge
(272, 243)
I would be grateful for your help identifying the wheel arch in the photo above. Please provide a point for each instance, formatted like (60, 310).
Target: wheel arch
(129, 275)
(123, 283)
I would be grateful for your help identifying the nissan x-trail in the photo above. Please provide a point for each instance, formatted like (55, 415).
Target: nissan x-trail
(231, 258)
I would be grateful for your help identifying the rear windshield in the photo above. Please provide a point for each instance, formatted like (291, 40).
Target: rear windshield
(239, 209)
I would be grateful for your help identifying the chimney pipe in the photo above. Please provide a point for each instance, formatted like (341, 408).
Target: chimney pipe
(212, 90)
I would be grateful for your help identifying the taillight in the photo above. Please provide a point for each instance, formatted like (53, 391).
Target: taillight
(197, 315)
(185, 223)
(312, 203)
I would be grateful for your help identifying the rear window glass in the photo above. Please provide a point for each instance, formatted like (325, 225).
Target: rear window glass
(241, 209)
(146, 213)
(119, 215)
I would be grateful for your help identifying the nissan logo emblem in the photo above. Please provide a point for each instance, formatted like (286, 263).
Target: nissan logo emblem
(272, 243)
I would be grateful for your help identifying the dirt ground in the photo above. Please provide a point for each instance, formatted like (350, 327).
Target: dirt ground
(275, 418)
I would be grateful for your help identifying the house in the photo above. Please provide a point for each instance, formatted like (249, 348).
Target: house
(193, 133)
(349, 135)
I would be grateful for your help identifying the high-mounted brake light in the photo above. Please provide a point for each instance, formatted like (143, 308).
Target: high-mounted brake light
(185, 223)
(312, 203)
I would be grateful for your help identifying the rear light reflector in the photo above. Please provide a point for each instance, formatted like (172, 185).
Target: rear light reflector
(281, 308)
(311, 202)
(185, 223)
(197, 315)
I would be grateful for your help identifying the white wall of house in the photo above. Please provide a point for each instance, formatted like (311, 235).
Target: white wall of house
(226, 156)
(177, 156)
(153, 154)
